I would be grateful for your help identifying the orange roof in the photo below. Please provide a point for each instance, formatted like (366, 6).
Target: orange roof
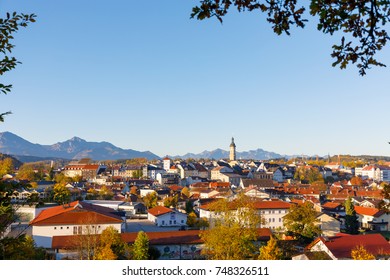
(175, 188)
(219, 184)
(331, 205)
(367, 211)
(76, 212)
(159, 210)
(266, 204)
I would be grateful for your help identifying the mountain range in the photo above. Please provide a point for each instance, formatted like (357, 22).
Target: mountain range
(258, 154)
(77, 148)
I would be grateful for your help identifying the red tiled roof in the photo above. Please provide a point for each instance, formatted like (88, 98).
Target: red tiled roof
(219, 184)
(341, 245)
(368, 211)
(159, 210)
(265, 204)
(368, 168)
(331, 205)
(155, 238)
(175, 188)
(76, 212)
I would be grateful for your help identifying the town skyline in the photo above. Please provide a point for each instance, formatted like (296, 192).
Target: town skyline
(77, 148)
(147, 77)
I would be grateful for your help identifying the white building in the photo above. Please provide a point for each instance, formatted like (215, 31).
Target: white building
(273, 211)
(166, 217)
(72, 219)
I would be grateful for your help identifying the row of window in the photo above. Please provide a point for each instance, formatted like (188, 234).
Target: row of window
(76, 229)
(272, 220)
(273, 211)
(170, 222)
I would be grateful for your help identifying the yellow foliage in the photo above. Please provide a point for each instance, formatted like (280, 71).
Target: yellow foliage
(360, 253)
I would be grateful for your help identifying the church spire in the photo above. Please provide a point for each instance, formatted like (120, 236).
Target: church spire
(232, 155)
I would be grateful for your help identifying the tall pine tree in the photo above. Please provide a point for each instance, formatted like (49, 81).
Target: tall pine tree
(351, 219)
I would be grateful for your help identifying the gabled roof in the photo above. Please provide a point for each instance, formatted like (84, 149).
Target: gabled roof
(76, 212)
(368, 211)
(159, 210)
(331, 205)
(341, 245)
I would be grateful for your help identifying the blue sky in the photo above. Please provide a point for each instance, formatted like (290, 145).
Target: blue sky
(143, 75)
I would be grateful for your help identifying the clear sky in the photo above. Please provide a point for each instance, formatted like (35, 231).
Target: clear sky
(143, 75)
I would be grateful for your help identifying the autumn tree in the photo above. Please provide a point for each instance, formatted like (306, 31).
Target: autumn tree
(385, 203)
(271, 251)
(192, 219)
(361, 24)
(140, 247)
(171, 201)
(351, 219)
(309, 174)
(86, 238)
(356, 181)
(111, 246)
(186, 192)
(61, 194)
(360, 253)
(6, 166)
(26, 172)
(300, 222)
(61, 178)
(150, 200)
(105, 193)
(233, 230)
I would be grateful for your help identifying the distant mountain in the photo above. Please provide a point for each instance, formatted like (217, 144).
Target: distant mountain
(75, 148)
(258, 154)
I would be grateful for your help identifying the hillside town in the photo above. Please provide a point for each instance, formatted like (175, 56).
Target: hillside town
(300, 208)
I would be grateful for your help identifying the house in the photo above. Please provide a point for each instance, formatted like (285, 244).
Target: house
(339, 247)
(150, 171)
(166, 217)
(273, 212)
(72, 219)
(373, 218)
(329, 225)
(333, 208)
(87, 171)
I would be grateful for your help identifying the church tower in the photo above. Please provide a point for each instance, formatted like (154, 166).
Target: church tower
(232, 155)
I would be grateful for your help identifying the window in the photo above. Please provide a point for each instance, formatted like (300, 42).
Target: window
(273, 219)
(61, 227)
(280, 219)
(163, 222)
(74, 230)
(55, 228)
(182, 221)
(79, 230)
(269, 219)
(67, 227)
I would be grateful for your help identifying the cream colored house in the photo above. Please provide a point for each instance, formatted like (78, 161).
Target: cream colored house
(329, 225)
